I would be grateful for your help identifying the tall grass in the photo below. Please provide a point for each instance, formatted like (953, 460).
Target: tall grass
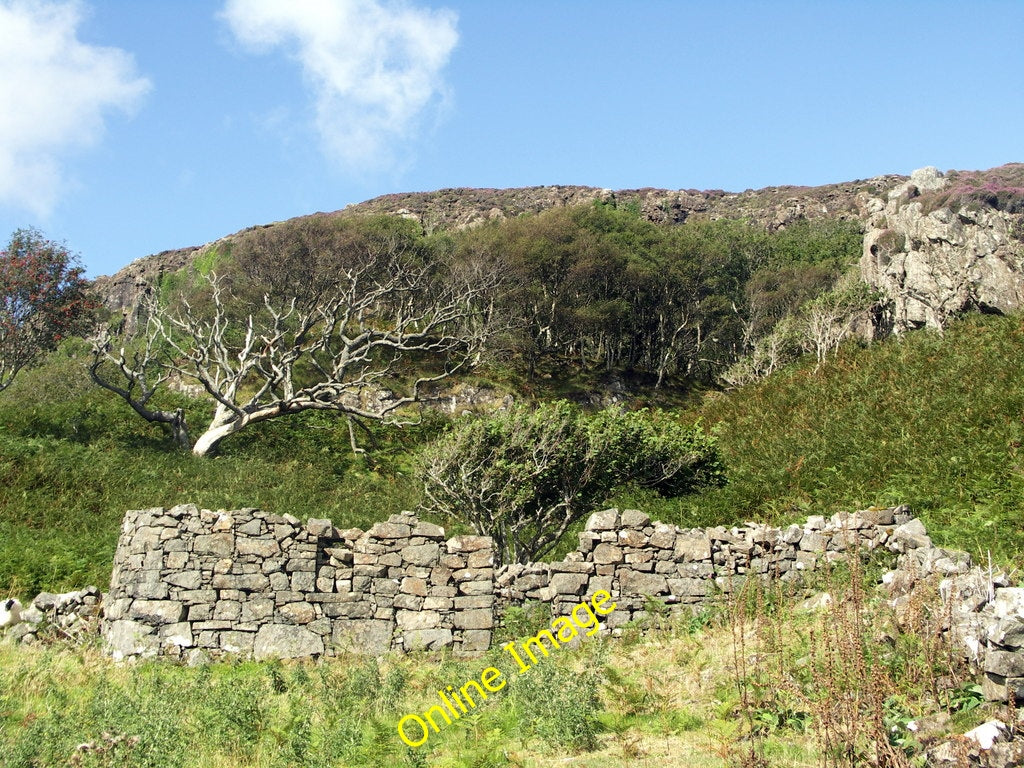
(933, 421)
(73, 458)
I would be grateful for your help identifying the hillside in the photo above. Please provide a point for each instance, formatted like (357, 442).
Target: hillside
(456, 209)
(928, 416)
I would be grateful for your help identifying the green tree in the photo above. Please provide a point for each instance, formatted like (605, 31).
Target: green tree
(525, 475)
(42, 300)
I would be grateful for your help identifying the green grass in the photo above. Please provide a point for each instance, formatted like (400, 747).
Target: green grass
(927, 420)
(73, 458)
(932, 421)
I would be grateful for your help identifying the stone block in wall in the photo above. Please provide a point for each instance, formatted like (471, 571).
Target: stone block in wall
(911, 535)
(690, 587)
(568, 583)
(427, 639)
(406, 602)
(241, 643)
(702, 570)
(189, 580)
(227, 610)
(730, 584)
(257, 610)
(126, 638)
(1007, 632)
(693, 547)
(282, 641)
(1008, 603)
(321, 528)
(472, 574)
(630, 537)
(474, 619)
(475, 640)
(428, 530)
(1004, 663)
(875, 517)
(632, 582)
(371, 636)
(354, 610)
(220, 544)
(634, 518)
(470, 601)
(257, 547)
(156, 612)
(587, 541)
(423, 554)
(607, 553)
(417, 619)
(297, 613)
(251, 582)
(570, 566)
(388, 531)
(998, 688)
(465, 544)
(150, 586)
(483, 558)
(479, 587)
(179, 634)
(813, 541)
(663, 536)
(414, 586)
(605, 520)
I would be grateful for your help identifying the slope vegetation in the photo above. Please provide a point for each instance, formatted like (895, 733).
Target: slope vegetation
(934, 421)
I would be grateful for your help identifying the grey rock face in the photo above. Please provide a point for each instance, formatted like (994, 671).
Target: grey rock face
(935, 264)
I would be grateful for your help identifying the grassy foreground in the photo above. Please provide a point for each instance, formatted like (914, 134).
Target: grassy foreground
(753, 682)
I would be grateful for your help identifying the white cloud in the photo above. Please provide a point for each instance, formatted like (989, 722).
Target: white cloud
(375, 66)
(55, 91)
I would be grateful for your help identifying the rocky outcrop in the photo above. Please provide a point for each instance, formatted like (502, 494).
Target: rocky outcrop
(122, 292)
(936, 248)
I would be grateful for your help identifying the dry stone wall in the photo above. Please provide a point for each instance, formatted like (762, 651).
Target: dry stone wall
(196, 583)
(636, 559)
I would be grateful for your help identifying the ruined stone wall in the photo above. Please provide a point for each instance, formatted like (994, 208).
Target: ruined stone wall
(635, 559)
(195, 583)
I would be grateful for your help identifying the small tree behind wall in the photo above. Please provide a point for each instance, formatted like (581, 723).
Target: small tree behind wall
(524, 476)
(42, 300)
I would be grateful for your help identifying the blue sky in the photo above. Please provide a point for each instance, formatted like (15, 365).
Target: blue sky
(134, 126)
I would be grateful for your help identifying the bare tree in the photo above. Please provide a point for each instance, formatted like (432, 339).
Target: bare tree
(832, 317)
(358, 329)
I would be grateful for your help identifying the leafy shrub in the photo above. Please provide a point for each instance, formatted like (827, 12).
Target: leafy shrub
(525, 476)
